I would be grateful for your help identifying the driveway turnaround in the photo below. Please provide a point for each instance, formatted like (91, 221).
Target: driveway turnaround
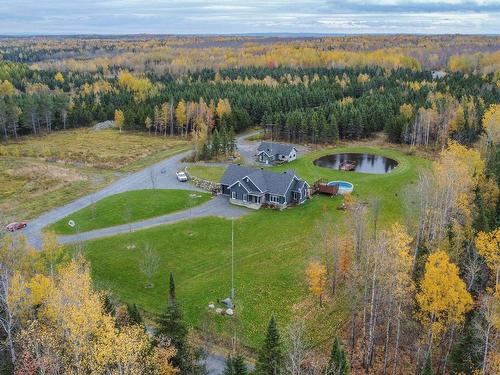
(218, 206)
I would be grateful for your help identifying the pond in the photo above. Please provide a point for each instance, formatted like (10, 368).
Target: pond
(364, 163)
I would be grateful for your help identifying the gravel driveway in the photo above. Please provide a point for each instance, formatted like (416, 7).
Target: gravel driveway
(160, 176)
(217, 206)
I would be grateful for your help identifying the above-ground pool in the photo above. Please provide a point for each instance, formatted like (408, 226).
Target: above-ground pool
(357, 162)
(344, 186)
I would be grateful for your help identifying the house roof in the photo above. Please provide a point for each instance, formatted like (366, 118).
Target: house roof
(275, 148)
(266, 181)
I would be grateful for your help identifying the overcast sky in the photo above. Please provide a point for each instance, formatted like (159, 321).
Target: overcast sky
(248, 16)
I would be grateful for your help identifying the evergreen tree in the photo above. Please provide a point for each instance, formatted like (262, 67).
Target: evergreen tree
(231, 138)
(171, 287)
(216, 146)
(134, 314)
(270, 356)
(394, 128)
(107, 305)
(427, 370)
(463, 359)
(170, 324)
(338, 365)
(229, 369)
(239, 366)
(334, 129)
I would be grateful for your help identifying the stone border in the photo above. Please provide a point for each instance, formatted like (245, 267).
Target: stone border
(206, 185)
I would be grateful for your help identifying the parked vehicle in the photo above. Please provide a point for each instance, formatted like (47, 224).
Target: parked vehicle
(181, 176)
(17, 225)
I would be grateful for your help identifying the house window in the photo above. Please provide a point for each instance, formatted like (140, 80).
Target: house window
(274, 199)
(234, 195)
(295, 195)
(244, 197)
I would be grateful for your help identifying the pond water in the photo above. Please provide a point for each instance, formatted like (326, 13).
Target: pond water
(364, 163)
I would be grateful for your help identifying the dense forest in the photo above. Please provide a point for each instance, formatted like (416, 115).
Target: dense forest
(301, 104)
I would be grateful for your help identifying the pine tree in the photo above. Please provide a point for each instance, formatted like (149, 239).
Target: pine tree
(334, 129)
(171, 287)
(270, 356)
(215, 144)
(134, 314)
(170, 324)
(427, 370)
(239, 366)
(463, 360)
(229, 369)
(337, 365)
(231, 141)
(108, 306)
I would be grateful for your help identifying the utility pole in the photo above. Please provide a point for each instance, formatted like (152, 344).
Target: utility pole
(232, 259)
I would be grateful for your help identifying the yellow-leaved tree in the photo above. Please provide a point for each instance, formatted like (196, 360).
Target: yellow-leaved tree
(443, 298)
(488, 245)
(119, 119)
(7, 88)
(72, 334)
(406, 110)
(59, 77)
(51, 255)
(491, 123)
(223, 108)
(180, 115)
(447, 199)
(316, 278)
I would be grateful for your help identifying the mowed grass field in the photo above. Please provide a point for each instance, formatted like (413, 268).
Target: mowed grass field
(40, 173)
(272, 250)
(128, 207)
(210, 173)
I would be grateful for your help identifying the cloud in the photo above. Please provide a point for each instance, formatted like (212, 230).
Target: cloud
(238, 16)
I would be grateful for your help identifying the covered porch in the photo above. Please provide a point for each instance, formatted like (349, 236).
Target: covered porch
(253, 201)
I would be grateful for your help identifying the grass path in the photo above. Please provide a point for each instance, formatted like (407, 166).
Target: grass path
(129, 207)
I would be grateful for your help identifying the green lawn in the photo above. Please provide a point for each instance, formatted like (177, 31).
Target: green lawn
(272, 249)
(127, 207)
(385, 187)
(210, 173)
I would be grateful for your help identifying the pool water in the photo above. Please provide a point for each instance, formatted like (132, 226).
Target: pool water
(365, 163)
(344, 186)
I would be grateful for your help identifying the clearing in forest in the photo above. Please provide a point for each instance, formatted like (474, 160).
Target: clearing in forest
(272, 250)
(43, 172)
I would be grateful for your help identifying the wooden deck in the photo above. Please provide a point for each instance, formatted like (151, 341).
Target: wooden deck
(321, 187)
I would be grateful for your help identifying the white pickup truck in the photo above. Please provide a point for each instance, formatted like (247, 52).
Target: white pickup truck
(181, 176)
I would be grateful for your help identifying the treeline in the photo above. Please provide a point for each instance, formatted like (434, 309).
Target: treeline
(424, 298)
(184, 54)
(315, 105)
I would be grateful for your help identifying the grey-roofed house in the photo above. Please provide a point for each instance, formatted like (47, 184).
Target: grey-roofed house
(269, 152)
(254, 187)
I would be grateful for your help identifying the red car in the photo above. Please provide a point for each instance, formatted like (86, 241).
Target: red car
(12, 227)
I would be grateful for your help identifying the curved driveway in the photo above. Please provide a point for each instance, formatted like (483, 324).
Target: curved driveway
(218, 206)
(160, 176)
